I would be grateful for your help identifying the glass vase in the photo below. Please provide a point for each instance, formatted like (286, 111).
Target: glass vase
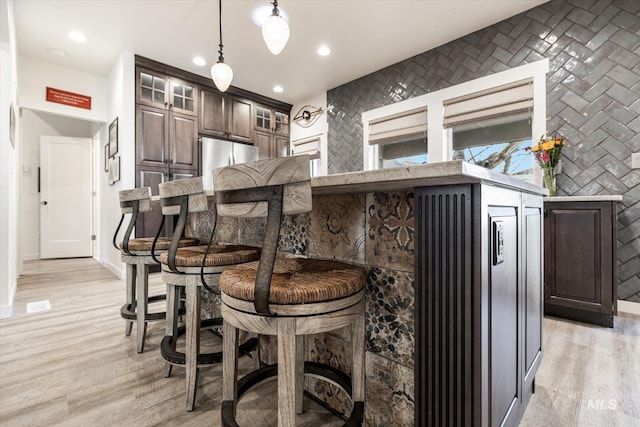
(549, 180)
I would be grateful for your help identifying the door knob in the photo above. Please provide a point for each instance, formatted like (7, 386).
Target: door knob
(43, 203)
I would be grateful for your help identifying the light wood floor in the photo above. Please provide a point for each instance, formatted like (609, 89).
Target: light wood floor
(73, 366)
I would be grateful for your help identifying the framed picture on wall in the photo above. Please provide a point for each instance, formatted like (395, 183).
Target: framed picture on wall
(113, 138)
(106, 157)
(114, 170)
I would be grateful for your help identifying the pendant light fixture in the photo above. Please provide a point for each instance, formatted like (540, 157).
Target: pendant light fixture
(221, 73)
(275, 30)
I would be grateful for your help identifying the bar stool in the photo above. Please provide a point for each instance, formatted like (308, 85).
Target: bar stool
(286, 297)
(189, 269)
(137, 255)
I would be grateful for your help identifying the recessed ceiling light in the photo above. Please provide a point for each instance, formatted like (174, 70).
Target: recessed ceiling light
(260, 14)
(278, 89)
(324, 50)
(57, 52)
(77, 36)
(199, 60)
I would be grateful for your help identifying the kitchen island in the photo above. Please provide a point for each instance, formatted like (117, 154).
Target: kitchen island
(454, 293)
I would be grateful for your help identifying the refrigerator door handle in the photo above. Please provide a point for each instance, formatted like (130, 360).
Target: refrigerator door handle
(231, 158)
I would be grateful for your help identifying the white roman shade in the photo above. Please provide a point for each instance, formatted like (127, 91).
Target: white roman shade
(513, 98)
(310, 146)
(398, 127)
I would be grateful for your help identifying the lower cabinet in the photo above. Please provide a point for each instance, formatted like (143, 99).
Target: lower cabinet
(271, 145)
(580, 259)
(478, 324)
(148, 223)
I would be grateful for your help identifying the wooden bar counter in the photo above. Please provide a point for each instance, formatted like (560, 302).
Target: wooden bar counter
(454, 296)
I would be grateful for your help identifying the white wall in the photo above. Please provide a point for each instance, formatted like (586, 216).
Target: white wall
(35, 124)
(8, 158)
(121, 105)
(319, 128)
(36, 76)
(111, 97)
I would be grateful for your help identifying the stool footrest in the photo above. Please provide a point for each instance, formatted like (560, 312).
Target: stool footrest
(128, 311)
(315, 369)
(169, 353)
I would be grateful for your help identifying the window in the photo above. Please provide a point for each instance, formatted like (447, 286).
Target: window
(496, 144)
(400, 139)
(310, 146)
(487, 121)
(490, 128)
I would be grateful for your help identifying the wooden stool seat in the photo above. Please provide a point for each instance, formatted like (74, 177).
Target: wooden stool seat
(296, 281)
(218, 255)
(285, 297)
(144, 244)
(191, 269)
(138, 254)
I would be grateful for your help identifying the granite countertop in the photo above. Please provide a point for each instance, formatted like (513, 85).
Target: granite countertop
(408, 178)
(602, 198)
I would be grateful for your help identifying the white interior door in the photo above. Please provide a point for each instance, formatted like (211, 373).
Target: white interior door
(65, 197)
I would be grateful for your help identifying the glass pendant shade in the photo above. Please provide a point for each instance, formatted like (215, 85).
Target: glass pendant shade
(275, 32)
(221, 74)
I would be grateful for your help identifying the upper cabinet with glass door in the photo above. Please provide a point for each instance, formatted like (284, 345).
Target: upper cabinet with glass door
(159, 90)
(271, 120)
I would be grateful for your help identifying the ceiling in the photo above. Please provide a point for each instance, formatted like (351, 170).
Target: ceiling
(364, 36)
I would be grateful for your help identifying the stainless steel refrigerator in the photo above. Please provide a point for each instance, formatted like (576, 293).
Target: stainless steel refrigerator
(216, 153)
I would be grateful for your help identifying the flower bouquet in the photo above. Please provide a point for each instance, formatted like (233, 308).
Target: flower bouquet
(547, 154)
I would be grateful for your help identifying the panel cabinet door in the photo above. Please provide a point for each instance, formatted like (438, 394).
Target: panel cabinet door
(152, 136)
(184, 141)
(263, 141)
(280, 146)
(533, 299)
(212, 117)
(579, 283)
(271, 146)
(151, 88)
(504, 315)
(239, 123)
(281, 123)
(183, 96)
(148, 222)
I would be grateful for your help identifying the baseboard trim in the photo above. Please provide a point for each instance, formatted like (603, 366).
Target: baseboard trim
(30, 257)
(112, 268)
(628, 307)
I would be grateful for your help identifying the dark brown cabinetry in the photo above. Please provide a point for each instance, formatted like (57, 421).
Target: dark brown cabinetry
(225, 116)
(478, 304)
(160, 90)
(166, 136)
(580, 260)
(166, 139)
(174, 107)
(271, 132)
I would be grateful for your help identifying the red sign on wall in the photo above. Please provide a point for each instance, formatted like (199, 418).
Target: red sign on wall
(68, 98)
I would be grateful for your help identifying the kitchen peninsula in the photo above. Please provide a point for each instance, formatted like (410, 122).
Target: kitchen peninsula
(454, 293)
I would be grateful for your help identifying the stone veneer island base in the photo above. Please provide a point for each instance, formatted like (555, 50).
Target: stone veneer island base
(454, 296)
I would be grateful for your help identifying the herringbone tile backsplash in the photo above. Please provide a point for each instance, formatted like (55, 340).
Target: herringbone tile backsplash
(593, 99)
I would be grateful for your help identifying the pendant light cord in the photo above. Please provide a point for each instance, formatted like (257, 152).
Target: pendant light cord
(221, 57)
